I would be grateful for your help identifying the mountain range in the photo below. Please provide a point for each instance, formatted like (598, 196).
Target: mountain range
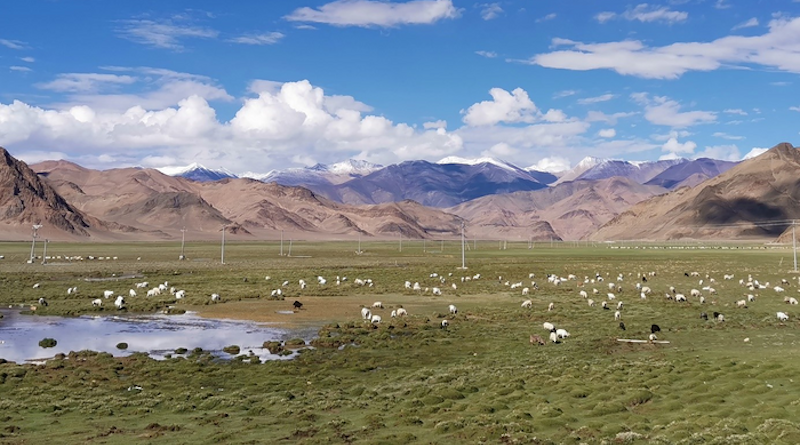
(607, 200)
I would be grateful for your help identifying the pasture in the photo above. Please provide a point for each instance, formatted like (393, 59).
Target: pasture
(406, 380)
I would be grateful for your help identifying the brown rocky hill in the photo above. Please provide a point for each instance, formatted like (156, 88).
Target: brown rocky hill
(569, 211)
(154, 202)
(25, 199)
(750, 201)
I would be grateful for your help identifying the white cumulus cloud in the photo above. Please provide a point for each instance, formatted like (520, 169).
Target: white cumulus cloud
(506, 107)
(368, 13)
(607, 133)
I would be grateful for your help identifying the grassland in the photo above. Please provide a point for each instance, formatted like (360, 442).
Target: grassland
(408, 381)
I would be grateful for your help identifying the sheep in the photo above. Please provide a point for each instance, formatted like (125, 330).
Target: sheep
(583, 294)
(453, 285)
(436, 291)
(611, 296)
(778, 289)
(302, 284)
(751, 298)
(703, 315)
(536, 340)
(366, 314)
(562, 333)
(646, 290)
(394, 314)
(680, 297)
(142, 285)
(97, 302)
(525, 291)
(120, 302)
(132, 293)
(401, 312)
(214, 298)
(377, 304)
(619, 305)
(590, 302)
(453, 309)
(694, 293)
(553, 337)
(42, 301)
(416, 286)
(617, 315)
(653, 337)
(791, 300)
(604, 305)
(548, 326)
(322, 281)
(527, 304)
(782, 316)
(36, 286)
(408, 285)
(375, 319)
(741, 304)
(180, 294)
(444, 324)
(108, 293)
(702, 300)
(655, 328)
(550, 307)
(643, 296)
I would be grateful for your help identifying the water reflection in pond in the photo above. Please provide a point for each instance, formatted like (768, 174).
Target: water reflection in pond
(155, 334)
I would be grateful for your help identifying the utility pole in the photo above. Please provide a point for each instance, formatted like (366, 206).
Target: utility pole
(359, 244)
(794, 245)
(463, 255)
(36, 228)
(44, 254)
(183, 244)
(222, 257)
(281, 242)
(400, 238)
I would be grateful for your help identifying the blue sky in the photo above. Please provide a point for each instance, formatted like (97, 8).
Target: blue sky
(252, 86)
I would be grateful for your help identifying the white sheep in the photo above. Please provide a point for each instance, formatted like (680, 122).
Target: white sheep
(680, 297)
(583, 294)
(791, 300)
(525, 291)
(408, 285)
(553, 337)
(394, 314)
(376, 319)
(36, 286)
(702, 300)
(97, 302)
(611, 296)
(527, 304)
(445, 324)
(214, 298)
(180, 294)
(108, 293)
(132, 293)
(401, 312)
(551, 306)
(643, 296)
(694, 292)
(653, 337)
(782, 316)
(562, 333)
(120, 302)
(751, 298)
(617, 315)
(720, 317)
(454, 286)
(591, 302)
(741, 304)
(548, 326)
(453, 309)
(778, 289)
(377, 304)
(436, 291)
(646, 290)
(366, 314)
(619, 305)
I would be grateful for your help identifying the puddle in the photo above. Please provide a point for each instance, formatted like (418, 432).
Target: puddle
(156, 334)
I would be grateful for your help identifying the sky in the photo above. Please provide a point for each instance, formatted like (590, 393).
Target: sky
(256, 86)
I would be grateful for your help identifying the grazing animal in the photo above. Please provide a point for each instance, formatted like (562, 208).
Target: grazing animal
(401, 312)
(97, 302)
(120, 302)
(562, 333)
(653, 337)
(703, 315)
(719, 317)
(394, 314)
(366, 314)
(583, 294)
(376, 319)
(655, 328)
(550, 307)
(297, 304)
(180, 294)
(215, 297)
(680, 297)
(453, 309)
(782, 316)
(42, 301)
(617, 315)
(527, 304)
(444, 324)
(377, 304)
(792, 300)
(591, 302)
(622, 325)
(132, 293)
(742, 304)
(436, 291)
(525, 291)
(605, 305)
(36, 286)
(553, 337)
(536, 340)
(108, 293)
(548, 326)
(619, 305)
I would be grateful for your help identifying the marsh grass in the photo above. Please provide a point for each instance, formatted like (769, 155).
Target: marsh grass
(406, 380)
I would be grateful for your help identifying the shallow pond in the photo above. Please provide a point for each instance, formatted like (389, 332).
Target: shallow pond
(156, 334)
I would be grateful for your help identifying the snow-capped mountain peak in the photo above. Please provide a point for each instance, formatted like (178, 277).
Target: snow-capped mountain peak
(477, 161)
(197, 172)
(353, 166)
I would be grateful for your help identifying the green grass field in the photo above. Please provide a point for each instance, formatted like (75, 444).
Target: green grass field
(407, 380)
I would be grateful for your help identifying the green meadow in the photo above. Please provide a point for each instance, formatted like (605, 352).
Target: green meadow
(406, 380)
